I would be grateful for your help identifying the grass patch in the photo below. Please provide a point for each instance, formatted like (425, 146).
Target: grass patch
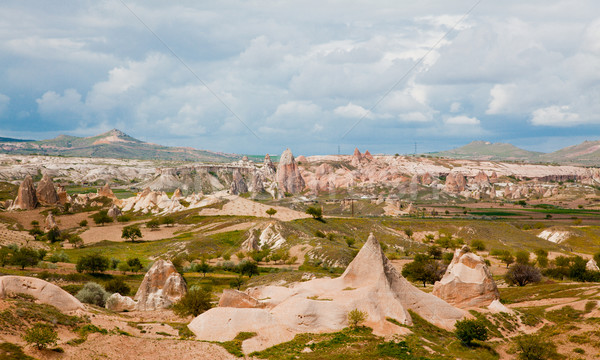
(9, 351)
(234, 346)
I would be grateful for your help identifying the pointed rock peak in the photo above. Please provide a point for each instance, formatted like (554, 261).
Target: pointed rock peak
(106, 192)
(286, 158)
(177, 194)
(268, 159)
(357, 152)
(368, 265)
(26, 195)
(368, 155)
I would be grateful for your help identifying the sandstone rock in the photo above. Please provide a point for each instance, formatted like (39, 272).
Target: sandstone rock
(455, 183)
(356, 158)
(43, 291)
(26, 196)
(367, 155)
(50, 222)
(257, 185)
(118, 303)
(63, 197)
(46, 193)
(301, 159)
(494, 178)
(289, 178)
(237, 299)
(467, 281)
(268, 164)
(426, 179)
(114, 212)
(481, 180)
(162, 286)
(591, 265)
(252, 242)
(106, 192)
(177, 194)
(238, 185)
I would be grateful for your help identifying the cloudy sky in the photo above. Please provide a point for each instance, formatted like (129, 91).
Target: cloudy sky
(258, 76)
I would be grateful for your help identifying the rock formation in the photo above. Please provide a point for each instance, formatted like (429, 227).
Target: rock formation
(289, 178)
(238, 185)
(467, 281)
(162, 286)
(257, 185)
(50, 222)
(177, 194)
(356, 158)
(106, 192)
(481, 180)
(591, 265)
(301, 159)
(114, 212)
(455, 183)
(237, 299)
(268, 164)
(426, 179)
(494, 178)
(46, 193)
(118, 303)
(43, 291)
(26, 196)
(63, 197)
(251, 243)
(370, 283)
(367, 155)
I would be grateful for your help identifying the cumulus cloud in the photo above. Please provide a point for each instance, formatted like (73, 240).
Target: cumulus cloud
(555, 116)
(462, 120)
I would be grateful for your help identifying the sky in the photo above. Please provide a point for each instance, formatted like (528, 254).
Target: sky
(253, 77)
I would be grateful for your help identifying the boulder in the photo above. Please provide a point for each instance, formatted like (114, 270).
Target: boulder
(289, 178)
(426, 179)
(63, 197)
(50, 222)
(237, 299)
(455, 183)
(114, 212)
(467, 281)
(591, 265)
(106, 192)
(26, 196)
(46, 193)
(43, 291)
(238, 185)
(118, 303)
(162, 286)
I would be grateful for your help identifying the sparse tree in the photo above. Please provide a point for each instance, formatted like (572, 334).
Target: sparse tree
(134, 264)
(356, 318)
(83, 223)
(203, 267)
(408, 233)
(101, 218)
(522, 257)
(236, 283)
(168, 220)
(424, 269)
(75, 240)
(195, 302)
(521, 275)
(316, 212)
(541, 258)
(153, 224)
(507, 258)
(534, 347)
(248, 268)
(478, 245)
(41, 335)
(131, 232)
(271, 212)
(25, 257)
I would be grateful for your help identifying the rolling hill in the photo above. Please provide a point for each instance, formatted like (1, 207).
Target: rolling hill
(112, 144)
(484, 150)
(586, 153)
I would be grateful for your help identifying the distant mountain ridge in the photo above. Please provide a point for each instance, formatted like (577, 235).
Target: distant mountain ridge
(111, 144)
(586, 153)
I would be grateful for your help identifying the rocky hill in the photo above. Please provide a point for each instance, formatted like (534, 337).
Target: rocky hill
(112, 144)
(586, 153)
(485, 150)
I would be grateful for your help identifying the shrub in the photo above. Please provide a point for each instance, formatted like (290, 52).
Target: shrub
(316, 212)
(236, 283)
(118, 285)
(41, 335)
(153, 224)
(522, 257)
(167, 220)
(92, 263)
(534, 347)
(478, 245)
(469, 330)
(521, 275)
(101, 217)
(248, 268)
(271, 212)
(408, 232)
(320, 234)
(25, 257)
(195, 302)
(83, 223)
(134, 264)
(92, 293)
(424, 269)
(131, 232)
(356, 317)
(123, 218)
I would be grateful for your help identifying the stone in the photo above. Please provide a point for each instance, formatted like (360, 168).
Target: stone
(356, 158)
(177, 194)
(50, 222)
(26, 196)
(426, 179)
(46, 193)
(114, 212)
(301, 159)
(106, 192)
(118, 303)
(238, 185)
(467, 281)
(591, 265)
(257, 185)
(43, 291)
(237, 299)
(63, 196)
(289, 178)
(455, 183)
(367, 155)
(252, 242)
(162, 286)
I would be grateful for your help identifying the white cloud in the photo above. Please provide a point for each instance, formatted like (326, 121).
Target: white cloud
(352, 111)
(462, 120)
(52, 103)
(559, 116)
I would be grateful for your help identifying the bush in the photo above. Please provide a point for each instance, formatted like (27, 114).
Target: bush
(350, 241)
(522, 257)
(320, 234)
(118, 285)
(167, 220)
(424, 269)
(41, 335)
(356, 317)
(58, 257)
(101, 217)
(521, 275)
(316, 212)
(153, 224)
(131, 232)
(123, 218)
(135, 264)
(469, 330)
(25, 257)
(195, 302)
(478, 245)
(248, 268)
(534, 347)
(92, 263)
(92, 293)
(83, 223)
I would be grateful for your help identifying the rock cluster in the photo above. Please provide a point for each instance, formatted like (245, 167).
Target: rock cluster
(26, 196)
(238, 185)
(455, 183)
(288, 175)
(162, 286)
(45, 192)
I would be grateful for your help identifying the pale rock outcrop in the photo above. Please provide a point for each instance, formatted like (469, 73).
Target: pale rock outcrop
(591, 265)
(118, 303)
(455, 183)
(467, 281)
(268, 166)
(114, 212)
(162, 286)
(367, 155)
(426, 179)
(494, 178)
(271, 237)
(370, 283)
(238, 185)
(301, 159)
(252, 242)
(237, 299)
(50, 222)
(257, 184)
(177, 194)
(106, 192)
(43, 291)
(481, 180)
(45, 192)
(357, 157)
(289, 178)
(63, 197)
(26, 196)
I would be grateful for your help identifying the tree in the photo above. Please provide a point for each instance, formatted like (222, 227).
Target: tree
(408, 233)
(356, 317)
(316, 212)
(507, 258)
(134, 264)
(435, 252)
(271, 212)
(203, 267)
(167, 220)
(25, 257)
(131, 232)
(84, 223)
(350, 241)
(195, 302)
(478, 245)
(236, 283)
(541, 258)
(522, 257)
(153, 224)
(424, 269)
(534, 347)
(118, 285)
(53, 235)
(445, 242)
(101, 218)
(469, 330)
(429, 237)
(41, 335)
(5, 255)
(75, 240)
(248, 268)
(521, 275)
(93, 263)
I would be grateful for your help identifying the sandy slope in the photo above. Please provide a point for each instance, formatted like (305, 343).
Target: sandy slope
(244, 207)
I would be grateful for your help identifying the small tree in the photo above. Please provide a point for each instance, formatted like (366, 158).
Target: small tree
(167, 220)
(153, 224)
(41, 335)
(350, 241)
(534, 347)
(195, 302)
(93, 263)
(83, 223)
(131, 232)
(25, 257)
(521, 275)
(522, 257)
(478, 245)
(134, 264)
(101, 218)
(118, 285)
(75, 240)
(236, 283)
(356, 317)
(541, 258)
(469, 330)
(408, 233)
(507, 258)
(248, 268)
(92, 293)
(424, 269)
(271, 212)
(203, 267)
(316, 212)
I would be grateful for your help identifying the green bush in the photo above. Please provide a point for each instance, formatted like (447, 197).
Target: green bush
(356, 317)
(58, 257)
(195, 302)
(41, 335)
(478, 245)
(118, 285)
(93, 293)
(92, 263)
(534, 347)
(135, 264)
(469, 330)
(83, 223)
